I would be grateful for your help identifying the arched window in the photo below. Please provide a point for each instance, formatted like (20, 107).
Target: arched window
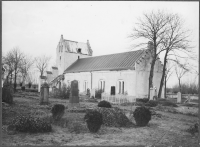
(121, 86)
(85, 86)
(102, 85)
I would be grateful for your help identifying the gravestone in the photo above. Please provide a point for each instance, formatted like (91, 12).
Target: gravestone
(44, 94)
(93, 93)
(88, 92)
(74, 95)
(155, 94)
(178, 97)
(151, 93)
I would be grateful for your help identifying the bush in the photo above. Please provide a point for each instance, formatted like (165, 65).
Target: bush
(58, 111)
(30, 124)
(94, 120)
(193, 129)
(144, 100)
(114, 117)
(105, 104)
(7, 93)
(139, 104)
(151, 103)
(63, 93)
(142, 116)
(98, 93)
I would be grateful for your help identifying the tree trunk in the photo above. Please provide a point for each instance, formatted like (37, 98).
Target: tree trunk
(163, 76)
(11, 78)
(151, 76)
(15, 82)
(179, 82)
(152, 64)
(165, 94)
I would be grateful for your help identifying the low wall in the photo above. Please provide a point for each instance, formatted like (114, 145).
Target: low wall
(118, 99)
(183, 95)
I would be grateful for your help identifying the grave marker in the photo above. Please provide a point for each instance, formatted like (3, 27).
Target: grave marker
(74, 95)
(151, 93)
(179, 97)
(44, 94)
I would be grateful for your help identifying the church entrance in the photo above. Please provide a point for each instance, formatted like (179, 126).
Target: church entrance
(112, 92)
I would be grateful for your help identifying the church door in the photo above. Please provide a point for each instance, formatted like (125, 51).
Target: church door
(112, 92)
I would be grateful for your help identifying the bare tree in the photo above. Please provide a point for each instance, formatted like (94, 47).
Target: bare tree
(13, 60)
(42, 63)
(181, 70)
(18, 57)
(25, 66)
(152, 28)
(176, 44)
(8, 61)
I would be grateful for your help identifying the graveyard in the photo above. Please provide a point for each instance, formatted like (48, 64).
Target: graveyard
(168, 125)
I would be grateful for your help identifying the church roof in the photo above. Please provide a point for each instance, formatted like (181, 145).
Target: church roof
(119, 61)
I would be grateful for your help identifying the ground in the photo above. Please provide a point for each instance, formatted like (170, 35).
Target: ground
(166, 129)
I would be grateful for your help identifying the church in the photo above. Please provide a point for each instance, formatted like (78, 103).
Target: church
(119, 73)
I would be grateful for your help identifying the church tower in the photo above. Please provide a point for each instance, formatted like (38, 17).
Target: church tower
(68, 51)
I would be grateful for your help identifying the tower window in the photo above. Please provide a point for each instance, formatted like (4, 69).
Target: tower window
(79, 50)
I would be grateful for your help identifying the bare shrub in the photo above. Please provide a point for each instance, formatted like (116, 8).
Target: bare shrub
(58, 111)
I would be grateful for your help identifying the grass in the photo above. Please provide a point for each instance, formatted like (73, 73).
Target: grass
(72, 130)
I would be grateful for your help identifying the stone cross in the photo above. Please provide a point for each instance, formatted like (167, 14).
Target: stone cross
(74, 94)
(179, 97)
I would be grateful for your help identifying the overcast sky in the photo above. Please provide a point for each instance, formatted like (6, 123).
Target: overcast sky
(36, 27)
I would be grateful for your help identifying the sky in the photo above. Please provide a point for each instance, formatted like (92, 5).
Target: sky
(35, 27)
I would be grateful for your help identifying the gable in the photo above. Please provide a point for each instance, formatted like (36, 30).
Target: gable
(73, 46)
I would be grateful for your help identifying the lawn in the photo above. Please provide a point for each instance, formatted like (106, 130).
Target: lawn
(166, 129)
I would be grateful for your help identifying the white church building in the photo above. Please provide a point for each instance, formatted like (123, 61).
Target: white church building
(124, 73)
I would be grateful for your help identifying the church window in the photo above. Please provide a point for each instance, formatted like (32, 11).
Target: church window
(102, 85)
(121, 86)
(85, 85)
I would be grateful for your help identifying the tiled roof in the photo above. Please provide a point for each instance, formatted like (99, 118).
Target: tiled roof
(119, 61)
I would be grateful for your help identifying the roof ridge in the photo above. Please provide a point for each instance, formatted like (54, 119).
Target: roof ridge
(113, 54)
